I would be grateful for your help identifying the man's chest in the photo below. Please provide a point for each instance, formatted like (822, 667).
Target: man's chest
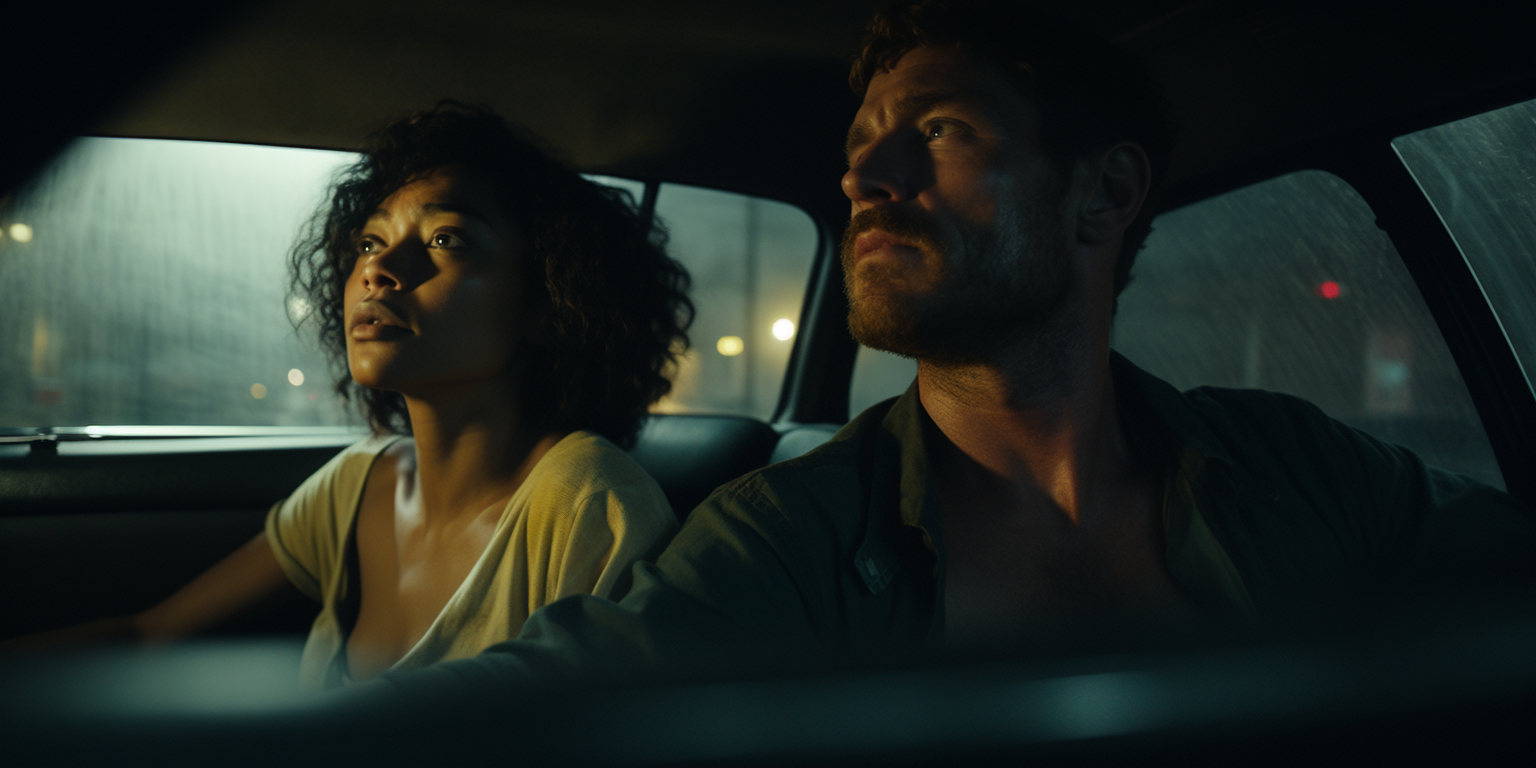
(1014, 577)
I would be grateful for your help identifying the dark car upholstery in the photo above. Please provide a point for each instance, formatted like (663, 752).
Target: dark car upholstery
(690, 454)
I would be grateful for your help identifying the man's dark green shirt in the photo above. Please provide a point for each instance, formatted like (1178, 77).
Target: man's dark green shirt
(1269, 507)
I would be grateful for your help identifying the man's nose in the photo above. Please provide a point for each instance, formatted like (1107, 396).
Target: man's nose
(879, 173)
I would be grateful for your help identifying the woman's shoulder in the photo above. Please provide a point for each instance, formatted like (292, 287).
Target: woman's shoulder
(351, 465)
(373, 445)
(355, 461)
(584, 465)
(590, 459)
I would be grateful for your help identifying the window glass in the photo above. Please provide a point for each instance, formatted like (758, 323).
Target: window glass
(145, 282)
(750, 260)
(1288, 285)
(878, 375)
(145, 285)
(1478, 173)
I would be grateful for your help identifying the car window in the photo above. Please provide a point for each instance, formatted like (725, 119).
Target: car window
(145, 285)
(1480, 174)
(1286, 285)
(750, 260)
(877, 375)
(1289, 286)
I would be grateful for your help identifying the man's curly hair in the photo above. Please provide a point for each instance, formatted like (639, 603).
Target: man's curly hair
(609, 309)
(1089, 93)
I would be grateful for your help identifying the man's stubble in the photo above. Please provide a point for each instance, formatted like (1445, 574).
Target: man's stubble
(1009, 281)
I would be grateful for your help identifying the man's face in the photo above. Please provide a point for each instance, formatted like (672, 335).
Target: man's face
(958, 232)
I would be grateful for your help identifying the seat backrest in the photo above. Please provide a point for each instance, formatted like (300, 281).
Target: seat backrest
(690, 455)
(802, 439)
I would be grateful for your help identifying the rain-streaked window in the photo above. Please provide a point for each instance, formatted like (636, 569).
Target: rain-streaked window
(150, 288)
(145, 284)
(1286, 285)
(1480, 174)
(1289, 286)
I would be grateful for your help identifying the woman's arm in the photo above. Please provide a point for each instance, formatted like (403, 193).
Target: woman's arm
(239, 581)
(244, 578)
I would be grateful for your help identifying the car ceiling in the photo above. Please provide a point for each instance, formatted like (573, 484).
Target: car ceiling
(743, 96)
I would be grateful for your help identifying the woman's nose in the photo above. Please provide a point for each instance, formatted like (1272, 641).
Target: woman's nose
(389, 267)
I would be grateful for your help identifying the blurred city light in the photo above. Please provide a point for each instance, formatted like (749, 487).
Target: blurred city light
(1329, 289)
(730, 346)
(298, 308)
(258, 391)
(296, 377)
(783, 329)
(21, 233)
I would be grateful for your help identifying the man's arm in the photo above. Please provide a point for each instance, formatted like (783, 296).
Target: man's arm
(735, 590)
(1325, 513)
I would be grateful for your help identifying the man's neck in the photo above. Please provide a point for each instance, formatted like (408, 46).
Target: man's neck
(1051, 527)
(1040, 416)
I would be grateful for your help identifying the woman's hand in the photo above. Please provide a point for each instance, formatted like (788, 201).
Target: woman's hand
(241, 580)
(121, 629)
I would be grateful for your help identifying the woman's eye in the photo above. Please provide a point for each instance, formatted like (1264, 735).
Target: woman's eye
(446, 240)
(367, 245)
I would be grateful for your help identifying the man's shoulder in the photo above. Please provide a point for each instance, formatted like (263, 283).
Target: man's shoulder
(834, 474)
(1252, 406)
(1289, 440)
(1217, 420)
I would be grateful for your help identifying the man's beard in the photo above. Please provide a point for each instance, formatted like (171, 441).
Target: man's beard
(977, 301)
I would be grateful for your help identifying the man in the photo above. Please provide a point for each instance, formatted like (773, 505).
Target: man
(1031, 487)
(989, 253)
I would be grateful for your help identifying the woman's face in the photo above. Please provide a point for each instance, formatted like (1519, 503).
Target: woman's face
(435, 297)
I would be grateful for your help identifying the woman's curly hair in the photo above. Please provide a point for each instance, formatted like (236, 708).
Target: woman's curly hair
(609, 309)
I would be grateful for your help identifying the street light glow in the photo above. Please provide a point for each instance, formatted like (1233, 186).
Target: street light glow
(730, 346)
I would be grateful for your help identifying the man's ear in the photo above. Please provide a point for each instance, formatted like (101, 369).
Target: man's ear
(1121, 178)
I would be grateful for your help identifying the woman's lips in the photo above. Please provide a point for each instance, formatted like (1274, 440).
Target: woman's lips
(375, 321)
(376, 331)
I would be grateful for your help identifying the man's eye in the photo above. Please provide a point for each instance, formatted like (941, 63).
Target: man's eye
(446, 240)
(938, 130)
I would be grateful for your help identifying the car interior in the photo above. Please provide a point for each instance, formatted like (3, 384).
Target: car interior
(1347, 218)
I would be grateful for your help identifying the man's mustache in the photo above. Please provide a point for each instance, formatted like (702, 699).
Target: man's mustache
(913, 227)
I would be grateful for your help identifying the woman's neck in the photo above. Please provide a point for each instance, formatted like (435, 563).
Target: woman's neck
(474, 446)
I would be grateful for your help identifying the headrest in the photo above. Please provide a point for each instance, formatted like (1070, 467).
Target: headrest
(690, 455)
(801, 440)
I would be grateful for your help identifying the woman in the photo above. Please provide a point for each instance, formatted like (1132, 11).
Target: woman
(504, 325)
